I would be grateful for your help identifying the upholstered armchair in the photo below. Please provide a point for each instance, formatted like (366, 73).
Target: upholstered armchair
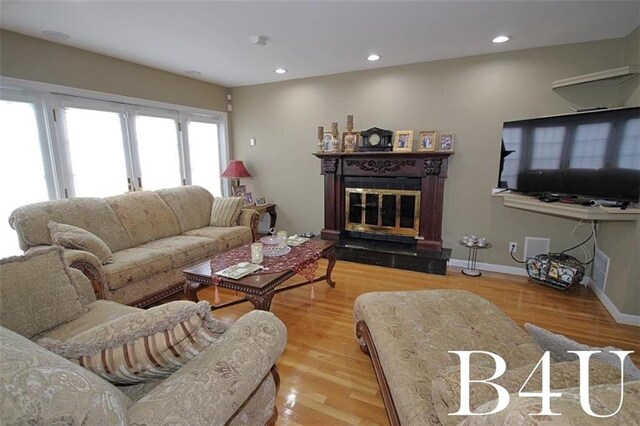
(67, 357)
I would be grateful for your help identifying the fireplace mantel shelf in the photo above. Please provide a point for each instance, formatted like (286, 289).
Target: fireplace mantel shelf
(418, 154)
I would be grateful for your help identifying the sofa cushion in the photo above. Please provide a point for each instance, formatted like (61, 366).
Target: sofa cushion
(77, 238)
(414, 330)
(227, 238)
(134, 264)
(144, 216)
(226, 211)
(40, 387)
(446, 385)
(37, 292)
(145, 345)
(184, 249)
(190, 204)
(558, 345)
(98, 313)
(92, 214)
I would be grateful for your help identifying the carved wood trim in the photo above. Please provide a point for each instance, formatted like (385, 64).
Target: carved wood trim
(276, 376)
(381, 166)
(432, 166)
(155, 297)
(362, 332)
(274, 417)
(329, 165)
(93, 275)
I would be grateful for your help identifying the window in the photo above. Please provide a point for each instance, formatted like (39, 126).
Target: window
(97, 158)
(158, 153)
(76, 143)
(205, 156)
(512, 138)
(23, 172)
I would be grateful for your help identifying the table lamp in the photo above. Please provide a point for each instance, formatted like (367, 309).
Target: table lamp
(235, 171)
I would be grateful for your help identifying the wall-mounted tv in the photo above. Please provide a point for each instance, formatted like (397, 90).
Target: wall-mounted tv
(590, 154)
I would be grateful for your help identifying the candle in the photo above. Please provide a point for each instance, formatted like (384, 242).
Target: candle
(334, 128)
(349, 120)
(320, 132)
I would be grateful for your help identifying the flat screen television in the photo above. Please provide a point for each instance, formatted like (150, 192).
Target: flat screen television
(591, 154)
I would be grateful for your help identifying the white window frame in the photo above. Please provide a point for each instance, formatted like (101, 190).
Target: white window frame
(51, 98)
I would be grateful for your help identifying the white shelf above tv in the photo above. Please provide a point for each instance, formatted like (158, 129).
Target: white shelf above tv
(574, 211)
(613, 77)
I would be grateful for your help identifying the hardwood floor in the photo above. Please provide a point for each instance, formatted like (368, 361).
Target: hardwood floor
(327, 380)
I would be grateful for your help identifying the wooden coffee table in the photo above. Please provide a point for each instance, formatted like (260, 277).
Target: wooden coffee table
(258, 289)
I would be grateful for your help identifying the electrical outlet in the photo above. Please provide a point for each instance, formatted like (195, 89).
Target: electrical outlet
(513, 247)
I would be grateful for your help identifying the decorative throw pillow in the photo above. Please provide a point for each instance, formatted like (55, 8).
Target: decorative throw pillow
(80, 239)
(37, 292)
(226, 211)
(445, 387)
(143, 346)
(558, 345)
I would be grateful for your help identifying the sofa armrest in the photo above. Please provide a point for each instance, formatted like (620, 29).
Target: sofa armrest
(250, 218)
(90, 266)
(210, 388)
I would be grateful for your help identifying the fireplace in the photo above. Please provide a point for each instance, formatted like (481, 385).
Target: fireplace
(393, 198)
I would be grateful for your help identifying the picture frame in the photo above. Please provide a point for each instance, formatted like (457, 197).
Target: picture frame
(403, 141)
(239, 190)
(446, 141)
(427, 140)
(248, 199)
(261, 201)
(328, 144)
(356, 142)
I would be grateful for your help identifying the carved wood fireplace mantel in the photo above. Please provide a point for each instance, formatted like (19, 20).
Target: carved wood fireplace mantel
(429, 167)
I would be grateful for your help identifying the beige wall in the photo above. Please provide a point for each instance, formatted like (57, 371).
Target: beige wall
(621, 240)
(470, 97)
(33, 59)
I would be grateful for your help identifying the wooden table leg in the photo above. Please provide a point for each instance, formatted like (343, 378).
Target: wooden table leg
(330, 255)
(262, 303)
(190, 290)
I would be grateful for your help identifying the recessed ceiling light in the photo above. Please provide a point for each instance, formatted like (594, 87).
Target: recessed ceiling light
(280, 70)
(373, 57)
(501, 39)
(193, 73)
(56, 35)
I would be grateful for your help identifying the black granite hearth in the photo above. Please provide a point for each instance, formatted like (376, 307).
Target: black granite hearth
(393, 254)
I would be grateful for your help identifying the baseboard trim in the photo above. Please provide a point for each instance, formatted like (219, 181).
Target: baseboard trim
(620, 317)
(511, 270)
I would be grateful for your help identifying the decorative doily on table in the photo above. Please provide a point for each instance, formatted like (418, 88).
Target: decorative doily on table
(303, 260)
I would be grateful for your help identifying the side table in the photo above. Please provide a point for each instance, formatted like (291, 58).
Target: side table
(270, 209)
(471, 270)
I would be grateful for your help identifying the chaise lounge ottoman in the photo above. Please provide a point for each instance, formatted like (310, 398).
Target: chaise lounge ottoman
(408, 336)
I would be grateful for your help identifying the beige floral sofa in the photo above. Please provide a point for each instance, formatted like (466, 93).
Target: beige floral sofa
(173, 364)
(409, 335)
(151, 237)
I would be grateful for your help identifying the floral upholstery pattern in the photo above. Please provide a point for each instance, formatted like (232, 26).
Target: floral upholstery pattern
(259, 407)
(446, 385)
(414, 330)
(58, 391)
(603, 399)
(28, 307)
(220, 380)
(153, 236)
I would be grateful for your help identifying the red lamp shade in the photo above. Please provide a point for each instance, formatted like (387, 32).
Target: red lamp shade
(236, 170)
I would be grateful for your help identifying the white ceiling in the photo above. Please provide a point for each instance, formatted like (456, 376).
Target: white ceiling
(311, 38)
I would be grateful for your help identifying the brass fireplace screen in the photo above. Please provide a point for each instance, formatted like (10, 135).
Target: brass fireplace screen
(386, 211)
